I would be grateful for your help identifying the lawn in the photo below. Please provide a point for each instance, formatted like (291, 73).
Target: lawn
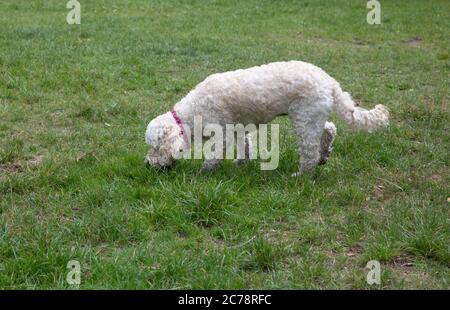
(75, 101)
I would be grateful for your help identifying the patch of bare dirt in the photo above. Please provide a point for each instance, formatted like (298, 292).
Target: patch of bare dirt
(378, 191)
(11, 167)
(87, 155)
(356, 42)
(353, 251)
(20, 165)
(436, 177)
(403, 261)
(360, 43)
(37, 160)
(413, 42)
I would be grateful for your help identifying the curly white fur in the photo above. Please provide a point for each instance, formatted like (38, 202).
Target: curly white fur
(257, 95)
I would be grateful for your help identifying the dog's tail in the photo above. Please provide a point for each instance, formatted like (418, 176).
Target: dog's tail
(357, 117)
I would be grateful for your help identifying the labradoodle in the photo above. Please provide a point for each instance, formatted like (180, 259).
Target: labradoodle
(257, 95)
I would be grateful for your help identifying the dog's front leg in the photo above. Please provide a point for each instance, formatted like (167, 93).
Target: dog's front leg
(211, 164)
(217, 154)
(248, 151)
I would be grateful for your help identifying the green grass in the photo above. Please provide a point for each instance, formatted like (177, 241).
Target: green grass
(81, 97)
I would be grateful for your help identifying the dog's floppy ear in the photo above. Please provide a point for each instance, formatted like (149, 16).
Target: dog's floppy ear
(161, 136)
(154, 136)
(171, 140)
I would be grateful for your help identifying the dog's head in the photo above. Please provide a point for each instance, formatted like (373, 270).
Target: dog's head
(166, 143)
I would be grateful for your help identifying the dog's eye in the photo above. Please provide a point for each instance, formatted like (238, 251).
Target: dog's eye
(181, 150)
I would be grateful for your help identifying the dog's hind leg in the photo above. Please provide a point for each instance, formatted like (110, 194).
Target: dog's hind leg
(211, 164)
(326, 142)
(309, 117)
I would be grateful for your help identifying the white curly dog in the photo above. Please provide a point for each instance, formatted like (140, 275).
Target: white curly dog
(256, 96)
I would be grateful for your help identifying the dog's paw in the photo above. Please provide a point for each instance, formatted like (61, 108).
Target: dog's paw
(239, 162)
(309, 170)
(211, 164)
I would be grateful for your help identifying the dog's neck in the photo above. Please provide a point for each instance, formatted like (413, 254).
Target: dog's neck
(181, 126)
(185, 115)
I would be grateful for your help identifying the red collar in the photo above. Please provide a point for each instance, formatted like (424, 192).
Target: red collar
(180, 124)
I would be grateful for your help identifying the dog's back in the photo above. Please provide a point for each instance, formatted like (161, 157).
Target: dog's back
(258, 94)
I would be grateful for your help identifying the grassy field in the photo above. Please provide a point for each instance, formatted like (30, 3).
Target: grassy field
(75, 101)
